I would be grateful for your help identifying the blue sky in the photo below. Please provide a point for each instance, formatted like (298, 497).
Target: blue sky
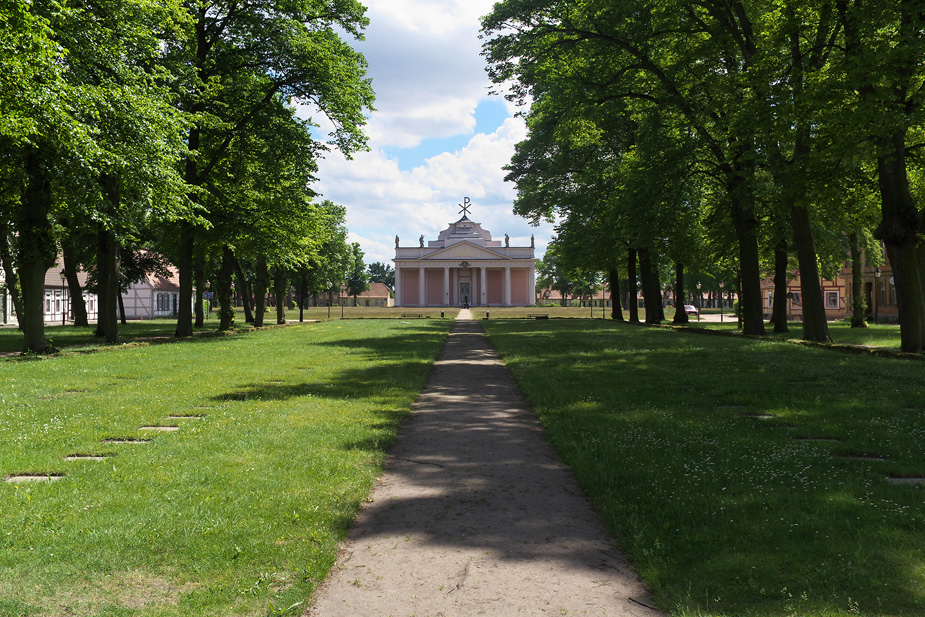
(436, 137)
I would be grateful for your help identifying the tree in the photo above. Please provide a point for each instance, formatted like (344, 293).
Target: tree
(382, 273)
(246, 57)
(675, 55)
(355, 276)
(884, 43)
(93, 133)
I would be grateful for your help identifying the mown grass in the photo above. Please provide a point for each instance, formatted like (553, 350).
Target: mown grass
(67, 336)
(238, 512)
(689, 447)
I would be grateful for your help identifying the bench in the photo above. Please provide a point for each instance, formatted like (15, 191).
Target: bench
(417, 315)
(537, 315)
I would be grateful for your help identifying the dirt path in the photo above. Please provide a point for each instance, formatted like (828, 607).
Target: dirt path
(475, 515)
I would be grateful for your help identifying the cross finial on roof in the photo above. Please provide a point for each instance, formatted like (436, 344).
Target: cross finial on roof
(465, 206)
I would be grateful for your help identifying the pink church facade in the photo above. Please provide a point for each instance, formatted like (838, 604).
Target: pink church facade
(464, 266)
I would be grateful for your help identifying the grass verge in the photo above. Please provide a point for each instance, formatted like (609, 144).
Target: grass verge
(236, 513)
(742, 476)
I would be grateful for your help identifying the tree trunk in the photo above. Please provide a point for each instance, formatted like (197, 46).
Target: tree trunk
(107, 323)
(223, 289)
(9, 270)
(199, 273)
(633, 290)
(245, 295)
(260, 291)
(651, 291)
(746, 224)
(815, 324)
(302, 284)
(185, 271)
(616, 311)
(280, 284)
(121, 310)
(78, 306)
(781, 270)
(185, 255)
(108, 265)
(680, 315)
(898, 228)
(35, 252)
(858, 305)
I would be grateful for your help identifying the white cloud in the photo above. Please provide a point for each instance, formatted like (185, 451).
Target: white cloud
(383, 201)
(429, 80)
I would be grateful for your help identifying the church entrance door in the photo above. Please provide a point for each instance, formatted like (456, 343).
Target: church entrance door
(464, 295)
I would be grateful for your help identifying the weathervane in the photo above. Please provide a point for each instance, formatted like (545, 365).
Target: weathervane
(465, 206)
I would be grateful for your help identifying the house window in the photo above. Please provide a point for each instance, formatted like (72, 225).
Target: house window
(770, 300)
(163, 303)
(831, 299)
(882, 295)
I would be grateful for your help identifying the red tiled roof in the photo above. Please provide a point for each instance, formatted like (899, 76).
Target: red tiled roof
(376, 290)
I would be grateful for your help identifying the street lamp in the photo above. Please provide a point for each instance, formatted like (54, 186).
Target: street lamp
(63, 287)
(877, 274)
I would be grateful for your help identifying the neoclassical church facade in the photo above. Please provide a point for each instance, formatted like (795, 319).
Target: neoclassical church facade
(464, 267)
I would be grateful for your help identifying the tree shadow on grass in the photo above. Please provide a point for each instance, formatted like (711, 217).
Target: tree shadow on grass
(397, 363)
(687, 446)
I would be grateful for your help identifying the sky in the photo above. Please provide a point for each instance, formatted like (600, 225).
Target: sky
(436, 137)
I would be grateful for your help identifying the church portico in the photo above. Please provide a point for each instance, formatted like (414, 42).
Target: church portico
(464, 266)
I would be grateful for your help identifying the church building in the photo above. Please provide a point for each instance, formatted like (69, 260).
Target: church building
(465, 267)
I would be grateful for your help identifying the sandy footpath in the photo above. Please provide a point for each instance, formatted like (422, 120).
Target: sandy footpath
(475, 515)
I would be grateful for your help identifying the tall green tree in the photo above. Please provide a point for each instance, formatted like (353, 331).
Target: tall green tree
(355, 276)
(382, 273)
(100, 135)
(660, 52)
(882, 64)
(248, 56)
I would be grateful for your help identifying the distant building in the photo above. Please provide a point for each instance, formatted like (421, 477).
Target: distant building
(878, 288)
(464, 266)
(154, 296)
(57, 307)
(378, 294)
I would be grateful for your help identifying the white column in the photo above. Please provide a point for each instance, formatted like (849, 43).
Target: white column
(531, 292)
(506, 294)
(483, 286)
(398, 301)
(446, 285)
(422, 301)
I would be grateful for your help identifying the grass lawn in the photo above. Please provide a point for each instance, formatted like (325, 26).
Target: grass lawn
(239, 511)
(744, 477)
(11, 340)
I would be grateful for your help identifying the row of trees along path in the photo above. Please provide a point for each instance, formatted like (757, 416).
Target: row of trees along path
(726, 137)
(172, 124)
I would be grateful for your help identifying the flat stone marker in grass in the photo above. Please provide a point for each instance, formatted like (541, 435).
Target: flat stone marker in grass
(190, 416)
(129, 440)
(864, 457)
(760, 416)
(87, 457)
(163, 428)
(34, 478)
(906, 480)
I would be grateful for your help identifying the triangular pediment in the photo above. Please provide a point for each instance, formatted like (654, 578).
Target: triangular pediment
(464, 251)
